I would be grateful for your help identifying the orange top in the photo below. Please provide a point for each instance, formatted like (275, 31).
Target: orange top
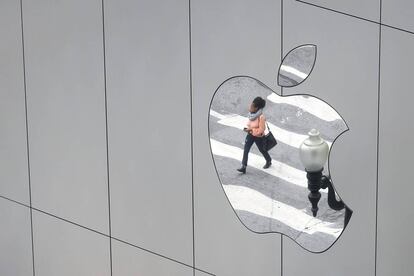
(258, 126)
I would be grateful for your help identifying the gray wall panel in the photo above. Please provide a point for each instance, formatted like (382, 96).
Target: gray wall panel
(13, 153)
(398, 13)
(368, 9)
(346, 76)
(229, 38)
(396, 191)
(15, 239)
(127, 260)
(66, 109)
(147, 49)
(61, 248)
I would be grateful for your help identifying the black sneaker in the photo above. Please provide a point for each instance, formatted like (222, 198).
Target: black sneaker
(242, 169)
(267, 165)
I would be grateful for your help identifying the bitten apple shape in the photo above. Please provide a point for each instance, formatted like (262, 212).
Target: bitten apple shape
(274, 200)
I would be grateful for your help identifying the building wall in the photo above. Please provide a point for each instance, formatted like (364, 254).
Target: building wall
(104, 154)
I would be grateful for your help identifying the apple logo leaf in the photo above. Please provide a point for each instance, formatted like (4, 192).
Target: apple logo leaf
(270, 190)
(297, 65)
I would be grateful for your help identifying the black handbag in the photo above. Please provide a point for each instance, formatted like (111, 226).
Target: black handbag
(269, 141)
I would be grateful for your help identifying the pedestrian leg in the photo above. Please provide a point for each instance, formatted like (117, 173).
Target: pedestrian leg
(248, 142)
(260, 145)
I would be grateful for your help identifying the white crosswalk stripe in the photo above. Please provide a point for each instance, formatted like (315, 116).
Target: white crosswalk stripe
(247, 199)
(311, 105)
(278, 169)
(293, 71)
(285, 136)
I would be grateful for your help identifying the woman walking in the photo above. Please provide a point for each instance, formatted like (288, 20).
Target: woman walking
(255, 129)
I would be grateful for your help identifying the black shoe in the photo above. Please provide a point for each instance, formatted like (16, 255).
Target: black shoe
(267, 165)
(242, 169)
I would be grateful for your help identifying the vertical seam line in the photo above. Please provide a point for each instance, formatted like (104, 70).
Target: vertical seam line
(191, 135)
(378, 135)
(106, 135)
(27, 136)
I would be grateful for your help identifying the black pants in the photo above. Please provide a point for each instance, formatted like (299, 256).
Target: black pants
(250, 139)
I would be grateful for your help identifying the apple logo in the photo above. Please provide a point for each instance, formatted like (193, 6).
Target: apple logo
(273, 190)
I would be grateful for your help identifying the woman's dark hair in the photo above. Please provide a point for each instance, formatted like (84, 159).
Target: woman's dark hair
(259, 102)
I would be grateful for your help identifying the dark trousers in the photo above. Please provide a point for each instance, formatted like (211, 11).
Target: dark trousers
(250, 139)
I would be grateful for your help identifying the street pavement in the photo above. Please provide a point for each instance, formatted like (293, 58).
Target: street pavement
(274, 199)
